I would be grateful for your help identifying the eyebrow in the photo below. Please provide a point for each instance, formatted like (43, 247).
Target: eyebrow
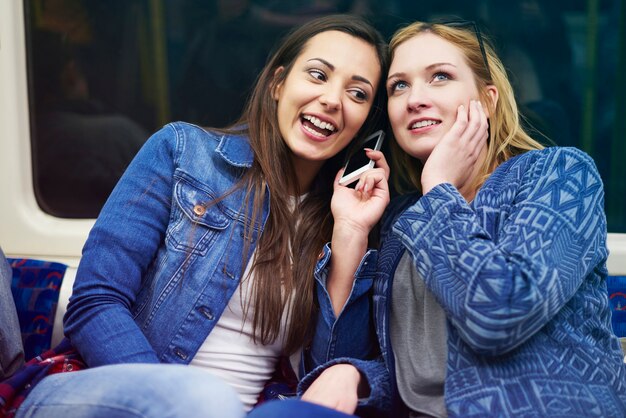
(332, 67)
(428, 68)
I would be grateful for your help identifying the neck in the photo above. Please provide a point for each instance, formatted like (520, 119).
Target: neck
(306, 171)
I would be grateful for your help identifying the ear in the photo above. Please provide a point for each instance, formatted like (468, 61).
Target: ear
(277, 87)
(492, 93)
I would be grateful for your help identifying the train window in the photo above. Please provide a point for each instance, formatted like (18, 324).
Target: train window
(104, 75)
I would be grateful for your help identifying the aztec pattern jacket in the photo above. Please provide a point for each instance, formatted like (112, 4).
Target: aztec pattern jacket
(521, 274)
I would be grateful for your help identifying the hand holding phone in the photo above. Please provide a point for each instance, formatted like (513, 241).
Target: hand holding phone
(358, 162)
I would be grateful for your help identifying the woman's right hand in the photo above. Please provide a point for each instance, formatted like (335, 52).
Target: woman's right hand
(454, 158)
(337, 388)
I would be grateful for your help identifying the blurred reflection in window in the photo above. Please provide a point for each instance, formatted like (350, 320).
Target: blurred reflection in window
(104, 74)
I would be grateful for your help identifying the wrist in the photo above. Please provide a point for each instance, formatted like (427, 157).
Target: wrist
(351, 238)
(430, 184)
(345, 372)
(349, 373)
(347, 228)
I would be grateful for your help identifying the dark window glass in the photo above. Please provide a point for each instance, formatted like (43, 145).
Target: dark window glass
(105, 74)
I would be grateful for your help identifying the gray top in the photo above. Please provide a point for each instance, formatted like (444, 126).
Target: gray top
(418, 337)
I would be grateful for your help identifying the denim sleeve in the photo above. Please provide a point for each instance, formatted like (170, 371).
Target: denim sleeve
(118, 251)
(351, 334)
(498, 289)
(377, 376)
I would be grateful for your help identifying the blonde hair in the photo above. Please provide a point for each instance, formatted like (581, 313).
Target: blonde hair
(507, 135)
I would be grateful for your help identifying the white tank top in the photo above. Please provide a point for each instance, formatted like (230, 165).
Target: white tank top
(229, 352)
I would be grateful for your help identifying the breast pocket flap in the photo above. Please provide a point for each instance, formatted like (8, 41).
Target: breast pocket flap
(199, 205)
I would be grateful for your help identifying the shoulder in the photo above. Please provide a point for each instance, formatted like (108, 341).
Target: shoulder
(178, 134)
(563, 178)
(552, 160)
(188, 132)
(197, 143)
(566, 167)
(555, 157)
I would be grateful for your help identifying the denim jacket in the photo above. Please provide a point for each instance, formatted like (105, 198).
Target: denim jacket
(521, 273)
(160, 265)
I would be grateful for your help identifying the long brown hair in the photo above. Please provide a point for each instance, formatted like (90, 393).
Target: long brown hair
(292, 239)
(507, 135)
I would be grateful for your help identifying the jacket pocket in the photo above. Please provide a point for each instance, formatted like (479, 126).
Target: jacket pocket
(196, 218)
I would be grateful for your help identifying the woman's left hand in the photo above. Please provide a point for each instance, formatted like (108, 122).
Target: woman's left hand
(355, 212)
(359, 209)
(454, 158)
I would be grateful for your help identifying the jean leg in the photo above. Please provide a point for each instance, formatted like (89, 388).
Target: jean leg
(133, 391)
(291, 408)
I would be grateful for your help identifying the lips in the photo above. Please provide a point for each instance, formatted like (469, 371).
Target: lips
(317, 127)
(423, 123)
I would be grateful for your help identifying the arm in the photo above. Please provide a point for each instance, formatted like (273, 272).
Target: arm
(500, 287)
(119, 250)
(350, 334)
(355, 212)
(345, 274)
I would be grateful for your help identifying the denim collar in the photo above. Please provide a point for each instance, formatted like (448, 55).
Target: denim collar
(235, 149)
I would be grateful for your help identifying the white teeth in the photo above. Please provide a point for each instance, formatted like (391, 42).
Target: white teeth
(322, 125)
(313, 131)
(423, 123)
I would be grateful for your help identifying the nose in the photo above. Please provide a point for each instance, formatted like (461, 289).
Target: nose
(417, 98)
(331, 98)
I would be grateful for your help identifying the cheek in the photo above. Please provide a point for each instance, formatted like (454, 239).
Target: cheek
(395, 112)
(460, 97)
(404, 144)
(283, 118)
(356, 115)
(344, 143)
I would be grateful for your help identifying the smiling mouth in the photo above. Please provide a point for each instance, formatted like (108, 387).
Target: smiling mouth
(424, 123)
(317, 127)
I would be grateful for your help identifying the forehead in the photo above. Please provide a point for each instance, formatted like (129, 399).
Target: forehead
(345, 52)
(425, 49)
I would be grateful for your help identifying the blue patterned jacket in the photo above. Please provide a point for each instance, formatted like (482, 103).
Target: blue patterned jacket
(521, 275)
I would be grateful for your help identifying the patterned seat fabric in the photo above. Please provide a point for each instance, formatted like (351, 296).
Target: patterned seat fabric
(35, 287)
(617, 298)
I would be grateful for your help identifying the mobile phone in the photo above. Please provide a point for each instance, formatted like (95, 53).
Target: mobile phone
(358, 163)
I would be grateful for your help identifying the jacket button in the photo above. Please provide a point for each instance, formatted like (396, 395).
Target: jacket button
(206, 312)
(199, 210)
(180, 353)
(228, 273)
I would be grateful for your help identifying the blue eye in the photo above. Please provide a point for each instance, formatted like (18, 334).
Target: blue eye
(396, 86)
(441, 76)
